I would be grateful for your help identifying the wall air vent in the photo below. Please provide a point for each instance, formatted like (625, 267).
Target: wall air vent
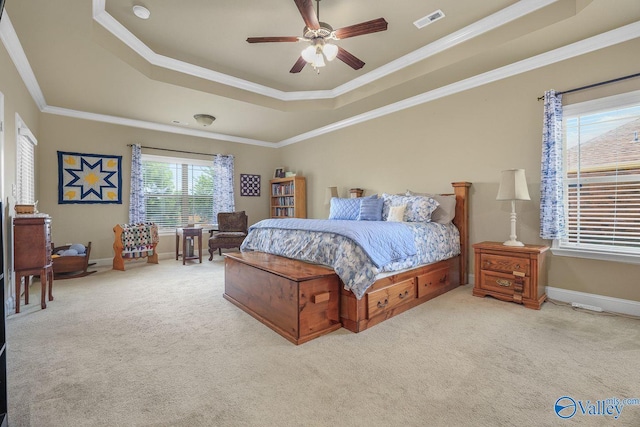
(432, 17)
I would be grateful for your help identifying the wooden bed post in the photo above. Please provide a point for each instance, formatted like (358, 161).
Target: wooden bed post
(461, 220)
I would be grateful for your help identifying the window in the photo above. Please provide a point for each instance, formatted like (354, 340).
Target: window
(25, 181)
(602, 178)
(177, 191)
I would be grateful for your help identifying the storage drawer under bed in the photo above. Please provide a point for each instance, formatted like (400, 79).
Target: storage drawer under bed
(386, 299)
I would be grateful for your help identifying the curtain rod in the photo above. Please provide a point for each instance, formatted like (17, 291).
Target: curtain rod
(180, 151)
(595, 84)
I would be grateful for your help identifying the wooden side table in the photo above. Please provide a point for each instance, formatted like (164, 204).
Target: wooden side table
(185, 234)
(511, 273)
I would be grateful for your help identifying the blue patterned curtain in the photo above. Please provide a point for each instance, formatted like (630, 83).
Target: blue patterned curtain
(552, 220)
(137, 207)
(223, 197)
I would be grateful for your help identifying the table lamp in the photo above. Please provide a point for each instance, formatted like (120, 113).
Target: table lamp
(513, 186)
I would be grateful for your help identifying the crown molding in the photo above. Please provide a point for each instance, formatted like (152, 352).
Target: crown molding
(502, 17)
(491, 22)
(142, 124)
(11, 42)
(610, 38)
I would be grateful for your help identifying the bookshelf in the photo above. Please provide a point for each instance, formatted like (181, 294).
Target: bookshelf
(288, 197)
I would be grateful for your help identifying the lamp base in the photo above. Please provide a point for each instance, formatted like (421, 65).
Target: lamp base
(513, 243)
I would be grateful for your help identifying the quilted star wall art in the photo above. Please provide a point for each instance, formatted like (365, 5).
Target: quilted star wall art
(89, 178)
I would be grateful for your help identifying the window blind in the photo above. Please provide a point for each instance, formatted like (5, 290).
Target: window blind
(25, 181)
(602, 180)
(177, 191)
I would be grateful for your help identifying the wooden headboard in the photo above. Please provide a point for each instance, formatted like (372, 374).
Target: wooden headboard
(461, 220)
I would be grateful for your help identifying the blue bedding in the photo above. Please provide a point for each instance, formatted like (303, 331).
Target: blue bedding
(433, 242)
(384, 242)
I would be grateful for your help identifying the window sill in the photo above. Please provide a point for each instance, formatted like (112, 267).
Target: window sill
(172, 231)
(595, 254)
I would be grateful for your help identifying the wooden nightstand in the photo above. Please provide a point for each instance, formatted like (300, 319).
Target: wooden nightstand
(511, 273)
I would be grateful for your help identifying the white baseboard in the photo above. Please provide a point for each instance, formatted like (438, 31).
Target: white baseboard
(472, 279)
(613, 305)
(108, 262)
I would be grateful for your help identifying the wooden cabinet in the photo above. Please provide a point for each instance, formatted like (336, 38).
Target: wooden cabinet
(511, 273)
(32, 254)
(288, 197)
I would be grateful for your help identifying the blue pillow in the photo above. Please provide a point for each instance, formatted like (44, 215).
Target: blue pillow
(371, 209)
(78, 247)
(344, 208)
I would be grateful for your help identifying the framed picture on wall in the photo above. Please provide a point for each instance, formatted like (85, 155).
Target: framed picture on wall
(279, 173)
(249, 185)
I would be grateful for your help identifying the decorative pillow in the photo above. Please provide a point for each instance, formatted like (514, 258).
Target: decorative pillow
(446, 210)
(68, 252)
(371, 209)
(396, 213)
(418, 208)
(344, 208)
(79, 247)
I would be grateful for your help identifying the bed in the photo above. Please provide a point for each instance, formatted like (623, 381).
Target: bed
(367, 292)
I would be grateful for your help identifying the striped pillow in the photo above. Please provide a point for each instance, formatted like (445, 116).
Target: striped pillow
(371, 210)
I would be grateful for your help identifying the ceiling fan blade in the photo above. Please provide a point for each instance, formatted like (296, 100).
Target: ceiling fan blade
(272, 39)
(368, 27)
(308, 13)
(349, 59)
(298, 66)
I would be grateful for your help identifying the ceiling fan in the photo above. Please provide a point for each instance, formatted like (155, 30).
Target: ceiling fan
(318, 34)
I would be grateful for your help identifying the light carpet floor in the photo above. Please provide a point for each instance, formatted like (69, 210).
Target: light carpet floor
(157, 345)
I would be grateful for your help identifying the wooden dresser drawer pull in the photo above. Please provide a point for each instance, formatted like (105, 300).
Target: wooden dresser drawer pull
(517, 266)
(401, 295)
(504, 282)
(427, 284)
(443, 279)
(383, 305)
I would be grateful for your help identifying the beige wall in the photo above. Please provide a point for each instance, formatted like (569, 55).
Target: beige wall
(16, 100)
(472, 136)
(77, 223)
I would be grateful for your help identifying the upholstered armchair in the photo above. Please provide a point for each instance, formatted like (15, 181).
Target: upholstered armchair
(232, 229)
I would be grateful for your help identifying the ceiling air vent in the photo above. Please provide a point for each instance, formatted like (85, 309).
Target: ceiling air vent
(432, 17)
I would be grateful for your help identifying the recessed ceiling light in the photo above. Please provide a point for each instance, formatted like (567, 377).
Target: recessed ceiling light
(141, 12)
(426, 20)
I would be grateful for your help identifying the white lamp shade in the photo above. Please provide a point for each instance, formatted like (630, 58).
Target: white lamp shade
(319, 60)
(513, 185)
(309, 53)
(330, 51)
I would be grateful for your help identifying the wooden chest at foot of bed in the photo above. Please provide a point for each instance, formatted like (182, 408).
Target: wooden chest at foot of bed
(299, 301)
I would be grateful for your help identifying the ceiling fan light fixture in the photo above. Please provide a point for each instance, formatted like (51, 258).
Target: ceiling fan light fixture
(319, 60)
(204, 119)
(141, 12)
(330, 51)
(309, 53)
